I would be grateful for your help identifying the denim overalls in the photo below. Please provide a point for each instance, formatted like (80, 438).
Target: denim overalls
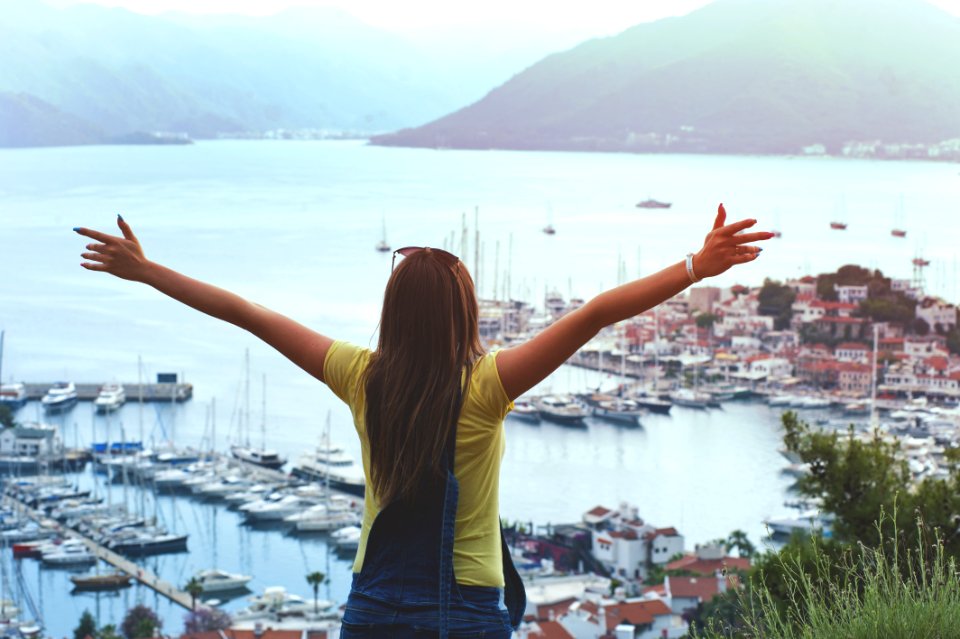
(406, 587)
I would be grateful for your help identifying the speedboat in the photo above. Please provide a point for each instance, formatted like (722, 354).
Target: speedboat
(61, 397)
(110, 398)
(267, 510)
(811, 521)
(333, 515)
(214, 580)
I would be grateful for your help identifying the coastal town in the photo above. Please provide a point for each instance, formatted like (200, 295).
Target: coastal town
(877, 356)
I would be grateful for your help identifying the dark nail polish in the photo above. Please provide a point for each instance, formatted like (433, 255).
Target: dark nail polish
(76, 228)
(119, 217)
(759, 250)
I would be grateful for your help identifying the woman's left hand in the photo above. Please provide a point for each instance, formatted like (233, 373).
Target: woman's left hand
(725, 246)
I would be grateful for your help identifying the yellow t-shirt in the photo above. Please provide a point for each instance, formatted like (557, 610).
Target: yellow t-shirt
(477, 559)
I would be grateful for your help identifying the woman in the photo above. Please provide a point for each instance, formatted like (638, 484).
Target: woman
(428, 405)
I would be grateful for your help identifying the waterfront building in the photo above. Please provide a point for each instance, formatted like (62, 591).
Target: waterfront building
(626, 545)
(852, 352)
(31, 440)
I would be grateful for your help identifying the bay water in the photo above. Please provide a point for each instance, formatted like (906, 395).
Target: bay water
(292, 225)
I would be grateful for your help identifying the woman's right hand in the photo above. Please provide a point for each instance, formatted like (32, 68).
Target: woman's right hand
(120, 256)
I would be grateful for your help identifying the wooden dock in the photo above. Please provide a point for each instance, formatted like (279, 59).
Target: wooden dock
(167, 392)
(119, 562)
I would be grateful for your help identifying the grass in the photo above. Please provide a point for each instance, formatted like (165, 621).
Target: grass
(882, 593)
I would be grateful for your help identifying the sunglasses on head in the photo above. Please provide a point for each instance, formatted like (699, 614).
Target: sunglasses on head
(447, 258)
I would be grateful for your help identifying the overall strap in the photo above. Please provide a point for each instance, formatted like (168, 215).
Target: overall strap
(451, 497)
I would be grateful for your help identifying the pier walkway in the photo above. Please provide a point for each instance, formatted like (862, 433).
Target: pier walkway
(119, 562)
(164, 392)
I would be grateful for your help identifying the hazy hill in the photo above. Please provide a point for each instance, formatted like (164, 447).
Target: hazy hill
(736, 76)
(26, 120)
(119, 71)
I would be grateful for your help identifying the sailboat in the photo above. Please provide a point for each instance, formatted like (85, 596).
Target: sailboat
(382, 245)
(259, 456)
(548, 229)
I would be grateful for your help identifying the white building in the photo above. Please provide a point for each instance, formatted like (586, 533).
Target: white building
(936, 312)
(31, 440)
(771, 368)
(849, 294)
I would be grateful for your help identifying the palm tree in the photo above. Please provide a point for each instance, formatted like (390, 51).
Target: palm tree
(193, 588)
(315, 579)
(738, 539)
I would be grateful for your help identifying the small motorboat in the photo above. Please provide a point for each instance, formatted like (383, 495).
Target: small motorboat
(838, 226)
(214, 580)
(549, 230)
(650, 203)
(898, 233)
(346, 538)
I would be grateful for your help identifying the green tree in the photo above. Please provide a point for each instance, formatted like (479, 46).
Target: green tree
(706, 320)
(920, 327)
(315, 579)
(87, 626)
(140, 622)
(6, 416)
(776, 300)
(206, 620)
(193, 588)
(109, 631)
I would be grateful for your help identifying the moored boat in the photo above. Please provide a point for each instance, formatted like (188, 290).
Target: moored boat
(214, 580)
(690, 398)
(62, 396)
(108, 581)
(13, 395)
(110, 398)
(561, 409)
(262, 457)
(525, 410)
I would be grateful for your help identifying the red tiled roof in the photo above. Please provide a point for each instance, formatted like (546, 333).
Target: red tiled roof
(624, 534)
(589, 607)
(702, 588)
(709, 567)
(599, 511)
(852, 346)
(268, 633)
(637, 613)
(839, 306)
(559, 608)
(937, 362)
(841, 320)
(550, 630)
(666, 532)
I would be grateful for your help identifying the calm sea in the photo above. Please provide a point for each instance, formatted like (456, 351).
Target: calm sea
(292, 225)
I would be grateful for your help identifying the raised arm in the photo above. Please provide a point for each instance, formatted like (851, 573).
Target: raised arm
(124, 258)
(523, 366)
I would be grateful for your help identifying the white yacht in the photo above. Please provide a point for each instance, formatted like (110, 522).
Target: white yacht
(332, 515)
(562, 409)
(347, 538)
(276, 603)
(62, 396)
(214, 580)
(330, 463)
(259, 456)
(69, 553)
(268, 510)
(13, 395)
(110, 398)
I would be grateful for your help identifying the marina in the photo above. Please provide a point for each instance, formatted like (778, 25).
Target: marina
(86, 392)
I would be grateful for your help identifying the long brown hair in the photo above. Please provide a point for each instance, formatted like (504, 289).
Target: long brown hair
(429, 341)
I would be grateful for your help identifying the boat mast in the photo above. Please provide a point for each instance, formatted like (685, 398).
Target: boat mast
(246, 389)
(873, 379)
(263, 415)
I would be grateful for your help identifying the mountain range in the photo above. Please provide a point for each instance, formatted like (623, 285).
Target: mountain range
(88, 73)
(737, 76)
